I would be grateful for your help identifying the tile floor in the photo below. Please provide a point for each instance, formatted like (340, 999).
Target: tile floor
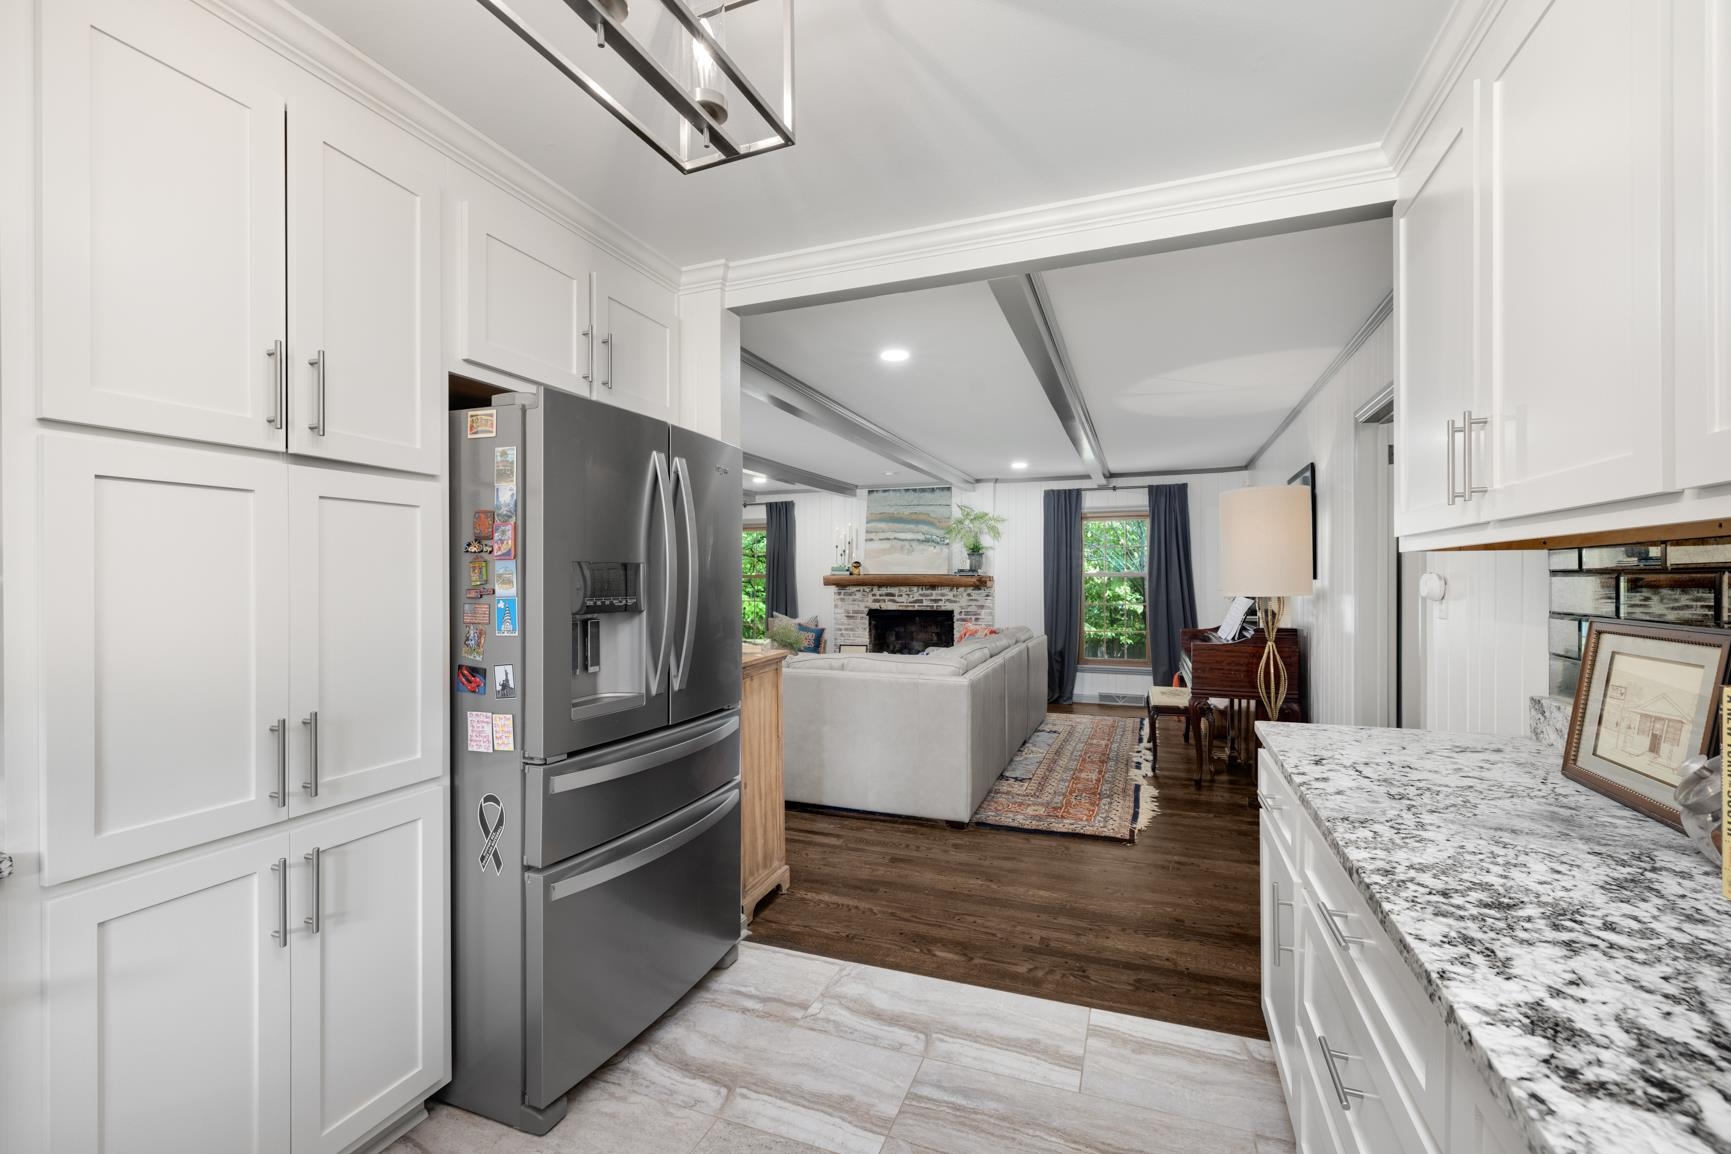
(788, 1053)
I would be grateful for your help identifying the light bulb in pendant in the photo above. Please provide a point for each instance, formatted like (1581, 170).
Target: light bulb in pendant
(706, 75)
(617, 9)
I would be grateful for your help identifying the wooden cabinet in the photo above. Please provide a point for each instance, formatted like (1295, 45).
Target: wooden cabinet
(364, 227)
(163, 266)
(366, 611)
(168, 1007)
(370, 984)
(763, 803)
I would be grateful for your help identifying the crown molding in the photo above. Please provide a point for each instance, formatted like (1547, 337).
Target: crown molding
(706, 277)
(977, 247)
(316, 49)
(1462, 31)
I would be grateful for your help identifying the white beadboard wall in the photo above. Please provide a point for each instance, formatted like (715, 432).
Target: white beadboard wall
(1479, 658)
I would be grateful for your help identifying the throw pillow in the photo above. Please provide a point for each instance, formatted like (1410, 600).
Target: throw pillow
(976, 631)
(810, 638)
(809, 622)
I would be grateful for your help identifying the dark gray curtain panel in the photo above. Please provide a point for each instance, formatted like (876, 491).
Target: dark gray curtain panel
(1171, 581)
(780, 592)
(1063, 555)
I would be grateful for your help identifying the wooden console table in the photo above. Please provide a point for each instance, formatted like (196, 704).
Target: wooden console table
(762, 803)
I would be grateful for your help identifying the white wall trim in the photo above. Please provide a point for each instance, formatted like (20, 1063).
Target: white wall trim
(1462, 30)
(972, 248)
(321, 52)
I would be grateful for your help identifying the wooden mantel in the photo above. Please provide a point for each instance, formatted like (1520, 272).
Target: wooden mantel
(912, 580)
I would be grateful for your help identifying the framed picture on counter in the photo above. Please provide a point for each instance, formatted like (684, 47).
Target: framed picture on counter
(1647, 701)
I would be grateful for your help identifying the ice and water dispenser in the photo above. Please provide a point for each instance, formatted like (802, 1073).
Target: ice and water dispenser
(609, 637)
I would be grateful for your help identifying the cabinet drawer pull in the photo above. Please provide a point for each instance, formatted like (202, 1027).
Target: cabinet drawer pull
(280, 934)
(316, 920)
(1265, 801)
(1274, 886)
(1342, 1092)
(277, 365)
(1333, 919)
(311, 784)
(607, 381)
(318, 421)
(281, 731)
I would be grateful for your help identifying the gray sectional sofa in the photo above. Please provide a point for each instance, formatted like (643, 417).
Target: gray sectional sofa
(921, 736)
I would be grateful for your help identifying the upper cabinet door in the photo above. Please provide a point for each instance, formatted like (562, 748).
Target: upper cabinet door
(367, 382)
(1438, 366)
(371, 1031)
(369, 662)
(1576, 133)
(162, 222)
(165, 641)
(638, 330)
(1702, 55)
(521, 305)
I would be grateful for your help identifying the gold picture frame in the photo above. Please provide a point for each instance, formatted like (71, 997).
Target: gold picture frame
(1648, 700)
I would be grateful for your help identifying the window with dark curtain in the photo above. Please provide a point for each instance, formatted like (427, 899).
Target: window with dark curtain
(780, 594)
(1171, 582)
(1063, 573)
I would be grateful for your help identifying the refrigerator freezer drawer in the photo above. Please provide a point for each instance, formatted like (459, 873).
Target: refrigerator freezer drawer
(617, 936)
(595, 797)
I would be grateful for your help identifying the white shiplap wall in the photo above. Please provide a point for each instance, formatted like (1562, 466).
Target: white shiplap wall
(1478, 660)
(816, 516)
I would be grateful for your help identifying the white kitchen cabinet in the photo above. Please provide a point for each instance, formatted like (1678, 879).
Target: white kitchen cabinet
(366, 611)
(168, 1008)
(164, 578)
(1441, 389)
(370, 987)
(1279, 953)
(521, 304)
(1575, 128)
(1477, 1122)
(1702, 59)
(638, 329)
(163, 281)
(364, 227)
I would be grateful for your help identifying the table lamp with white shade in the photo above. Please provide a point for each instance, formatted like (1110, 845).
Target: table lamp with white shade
(1266, 553)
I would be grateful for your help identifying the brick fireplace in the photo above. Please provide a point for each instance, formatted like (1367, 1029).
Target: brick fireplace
(968, 598)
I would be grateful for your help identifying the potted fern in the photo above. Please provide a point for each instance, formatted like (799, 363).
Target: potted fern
(971, 528)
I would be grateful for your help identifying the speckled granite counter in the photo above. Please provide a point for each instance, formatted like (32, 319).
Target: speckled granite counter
(1581, 951)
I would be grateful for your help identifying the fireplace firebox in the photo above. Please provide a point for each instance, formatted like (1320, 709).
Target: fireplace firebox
(909, 630)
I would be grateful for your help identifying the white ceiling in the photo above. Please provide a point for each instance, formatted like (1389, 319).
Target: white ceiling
(1186, 360)
(768, 432)
(965, 395)
(912, 112)
(1191, 359)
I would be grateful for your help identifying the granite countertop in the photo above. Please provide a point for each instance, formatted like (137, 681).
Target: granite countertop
(1582, 952)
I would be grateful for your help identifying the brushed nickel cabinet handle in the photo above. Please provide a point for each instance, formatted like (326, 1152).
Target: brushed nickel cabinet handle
(1449, 456)
(281, 731)
(1342, 1092)
(1468, 424)
(311, 785)
(280, 934)
(1274, 916)
(274, 352)
(607, 381)
(1332, 919)
(316, 921)
(589, 368)
(318, 421)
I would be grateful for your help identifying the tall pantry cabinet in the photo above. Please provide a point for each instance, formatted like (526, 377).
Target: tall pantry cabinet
(240, 563)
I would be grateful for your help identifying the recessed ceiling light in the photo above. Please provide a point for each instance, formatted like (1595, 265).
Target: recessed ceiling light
(1018, 464)
(889, 472)
(759, 480)
(893, 356)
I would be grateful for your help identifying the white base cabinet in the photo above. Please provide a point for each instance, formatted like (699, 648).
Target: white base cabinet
(1366, 1061)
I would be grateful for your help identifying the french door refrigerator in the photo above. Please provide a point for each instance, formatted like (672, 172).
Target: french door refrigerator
(596, 785)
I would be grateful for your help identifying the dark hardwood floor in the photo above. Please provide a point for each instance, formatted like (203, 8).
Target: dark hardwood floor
(1167, 928)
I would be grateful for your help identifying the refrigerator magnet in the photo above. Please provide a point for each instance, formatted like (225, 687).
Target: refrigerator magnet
(483, 423)
(477, 572)
(478, 592)
(505, 617)
(505, 578)
(504, 740)
(505, 465)
(474, 642)
(472, 678)
(504, 682)
(482, 525)
(476, 613)
(480, 733)
(482, 547)
(504, 503)
(505, 541)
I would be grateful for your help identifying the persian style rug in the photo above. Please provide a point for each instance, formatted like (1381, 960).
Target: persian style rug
(1077, 774)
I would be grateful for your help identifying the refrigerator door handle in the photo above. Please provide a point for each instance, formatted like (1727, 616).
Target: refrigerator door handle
(579, 778)
(693, 574)
(657, 656)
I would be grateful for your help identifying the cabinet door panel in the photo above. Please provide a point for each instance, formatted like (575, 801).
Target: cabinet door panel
(364, 269)
(1702, 40)
(370, 1027)
(163, 600)
(368, 633)
(1280, 955)
(162, 222)
(635, 365)
(169, 1009)
(1438, 365)
(1576, 117)
(522, 294)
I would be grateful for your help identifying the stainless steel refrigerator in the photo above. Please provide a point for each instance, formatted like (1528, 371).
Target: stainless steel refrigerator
(595, 678)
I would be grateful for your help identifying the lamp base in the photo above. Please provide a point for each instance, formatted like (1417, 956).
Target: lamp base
(1271, 670)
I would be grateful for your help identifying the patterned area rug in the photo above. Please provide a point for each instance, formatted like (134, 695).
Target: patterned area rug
(1077, 774)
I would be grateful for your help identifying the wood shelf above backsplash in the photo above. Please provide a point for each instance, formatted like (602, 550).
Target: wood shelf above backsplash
(911, 580)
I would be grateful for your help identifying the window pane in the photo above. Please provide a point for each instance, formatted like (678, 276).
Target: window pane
(1114, 619)
(1115, 546)
(753, 587)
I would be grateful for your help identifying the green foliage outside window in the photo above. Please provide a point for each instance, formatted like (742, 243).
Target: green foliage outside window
(754, 563)
(1115, 589)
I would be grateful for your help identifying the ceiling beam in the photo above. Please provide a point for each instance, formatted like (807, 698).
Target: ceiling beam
(790, 475)
(1028, 310)
(791, 395)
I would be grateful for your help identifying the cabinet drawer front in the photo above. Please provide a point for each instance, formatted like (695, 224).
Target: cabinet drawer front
(1280, 810)
(166, 648)
(1410, 1029)
(1360, 1094)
